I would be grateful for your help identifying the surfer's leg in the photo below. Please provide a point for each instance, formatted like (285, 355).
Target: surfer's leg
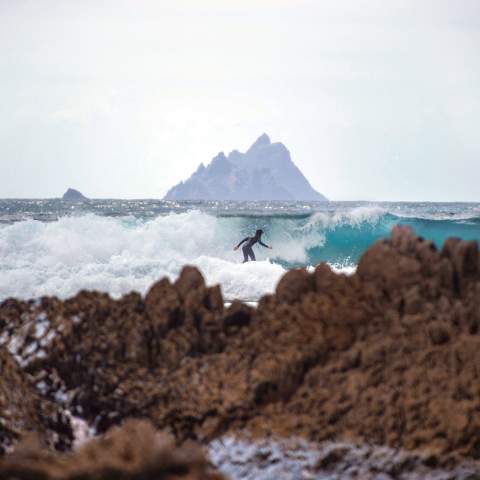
(251, 254)
(245, 254)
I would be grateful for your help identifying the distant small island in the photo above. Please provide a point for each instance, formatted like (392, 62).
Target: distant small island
(265, 172)
(72, 195)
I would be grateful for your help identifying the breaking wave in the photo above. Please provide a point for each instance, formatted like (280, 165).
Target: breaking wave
(120, 254)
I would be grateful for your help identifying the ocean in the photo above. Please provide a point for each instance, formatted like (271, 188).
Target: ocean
(52, 247)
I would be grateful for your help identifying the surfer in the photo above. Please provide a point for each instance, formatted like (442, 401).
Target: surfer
(251, 241)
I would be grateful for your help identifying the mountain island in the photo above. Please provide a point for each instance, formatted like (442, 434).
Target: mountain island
(264, 172)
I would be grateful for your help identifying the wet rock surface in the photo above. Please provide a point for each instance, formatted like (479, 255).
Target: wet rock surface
(23, 411)
(389, 356)
(298, 459)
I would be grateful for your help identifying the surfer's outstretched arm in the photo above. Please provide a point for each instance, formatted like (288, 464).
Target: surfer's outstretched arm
(244, 240)
(264, 245)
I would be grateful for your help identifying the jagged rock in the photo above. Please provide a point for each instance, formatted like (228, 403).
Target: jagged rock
(293, 285)
(237, 316)
(190, 279)
(324, 277)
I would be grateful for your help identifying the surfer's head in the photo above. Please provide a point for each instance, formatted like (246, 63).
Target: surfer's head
(258, 233)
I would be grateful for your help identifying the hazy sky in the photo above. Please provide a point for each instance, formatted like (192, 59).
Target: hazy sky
(376, 100)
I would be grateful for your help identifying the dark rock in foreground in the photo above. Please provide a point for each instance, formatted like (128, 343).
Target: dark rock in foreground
(72, 195)
(135, 451)
(389, 356)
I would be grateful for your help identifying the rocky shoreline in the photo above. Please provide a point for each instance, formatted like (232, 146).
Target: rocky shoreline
(388, 357)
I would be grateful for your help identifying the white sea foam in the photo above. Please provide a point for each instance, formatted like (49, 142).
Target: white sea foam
(245, 281)
(354, 217)
(120, 255)
(344, 269)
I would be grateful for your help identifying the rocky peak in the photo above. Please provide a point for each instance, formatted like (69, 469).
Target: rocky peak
(219, 158)
(200, 169)
(72, 195)
(261, 141)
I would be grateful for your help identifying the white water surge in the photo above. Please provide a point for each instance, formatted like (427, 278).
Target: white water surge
(120, 255)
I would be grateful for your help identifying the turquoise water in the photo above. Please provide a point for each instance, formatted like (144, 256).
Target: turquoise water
(350, 241)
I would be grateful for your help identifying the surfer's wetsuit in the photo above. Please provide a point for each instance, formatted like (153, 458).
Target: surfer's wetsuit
(247, 248)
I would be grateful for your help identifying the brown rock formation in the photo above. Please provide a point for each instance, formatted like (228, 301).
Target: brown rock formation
(388, 356)
(135, 451)
(23, 410)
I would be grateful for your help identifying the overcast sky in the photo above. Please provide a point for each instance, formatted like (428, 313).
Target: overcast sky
(376, 100)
